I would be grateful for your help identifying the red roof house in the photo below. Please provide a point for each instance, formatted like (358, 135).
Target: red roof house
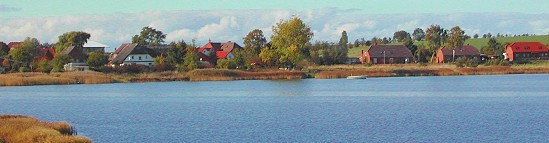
(446, 55)
(526, 51)
(222, 50)
(45, 54)
(387, 54)
(12, 44)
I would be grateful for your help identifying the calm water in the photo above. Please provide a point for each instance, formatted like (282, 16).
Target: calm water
(503, 108)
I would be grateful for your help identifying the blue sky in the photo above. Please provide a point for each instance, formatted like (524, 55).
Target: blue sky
(113, 22)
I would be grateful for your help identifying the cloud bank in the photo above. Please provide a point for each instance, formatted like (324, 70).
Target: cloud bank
(231, 25)
(7, 8)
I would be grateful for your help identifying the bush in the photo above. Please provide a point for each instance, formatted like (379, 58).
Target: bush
(496, 62)
(24, 69)
(163, 67)
(133, 69)
(460, 62)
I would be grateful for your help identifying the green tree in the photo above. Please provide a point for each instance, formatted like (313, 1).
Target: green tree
(357, 43)
(253, 42)
(456, 38)
(59, 62)
(74, 38)
(26, 51)
(434, 37)
(4, 50)
(409, 43)
(149, 36)
(399, 36)
(96, 60)
(344, 39)
(423, 53)
(493, 47)
(190, 62)
(269, 56)
(291, 39)
(418, 34)
(175, 53)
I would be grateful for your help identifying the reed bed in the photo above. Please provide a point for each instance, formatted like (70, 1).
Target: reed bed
(223, 75)
(24, 129)
(151, 77)
(35, 78)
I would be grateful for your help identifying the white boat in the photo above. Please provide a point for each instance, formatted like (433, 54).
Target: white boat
(357, 77)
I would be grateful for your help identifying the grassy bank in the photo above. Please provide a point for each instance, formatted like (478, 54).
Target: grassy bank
(35, 78)
(342, 71)
(23, 129)
(223, 75)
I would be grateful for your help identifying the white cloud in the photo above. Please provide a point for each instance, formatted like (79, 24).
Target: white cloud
(223, 25)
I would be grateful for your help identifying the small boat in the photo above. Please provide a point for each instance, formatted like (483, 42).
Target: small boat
(357, 77)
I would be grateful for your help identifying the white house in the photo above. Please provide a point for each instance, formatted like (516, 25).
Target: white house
(128, 54)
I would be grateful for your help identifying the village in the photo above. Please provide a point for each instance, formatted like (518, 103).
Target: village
(148, 53)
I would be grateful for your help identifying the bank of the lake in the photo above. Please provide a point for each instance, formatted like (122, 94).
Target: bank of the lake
(20, 129)
(320, 72)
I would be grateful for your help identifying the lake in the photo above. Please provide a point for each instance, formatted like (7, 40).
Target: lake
(496, 108)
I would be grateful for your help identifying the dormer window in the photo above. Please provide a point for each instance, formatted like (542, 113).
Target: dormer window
(539, 47)
(517, 48)
(527, 48)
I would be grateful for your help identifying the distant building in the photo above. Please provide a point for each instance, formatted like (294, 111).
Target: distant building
(387, 54)
(92, 46)
(45, 54)
(75, 54)
(223, 50)
(446, 55)
(128, 54)
(526, 51)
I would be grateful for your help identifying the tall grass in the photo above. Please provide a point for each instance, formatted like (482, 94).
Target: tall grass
(35, 78)
(23, 129)
(220, 75)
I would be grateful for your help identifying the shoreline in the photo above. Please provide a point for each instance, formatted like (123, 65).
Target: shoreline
(318, 72)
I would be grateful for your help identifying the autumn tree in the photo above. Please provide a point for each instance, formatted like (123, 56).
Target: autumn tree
(456, 38)
(434, 37)
(399, 36)
(418, 34)
(74, 38)
(175, 53)
(149, 36)
(191, 59)
(291, 39)
(253, 42)
(96, 60)
(26, 51)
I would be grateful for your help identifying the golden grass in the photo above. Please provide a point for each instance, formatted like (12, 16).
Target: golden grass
(151, 77)
(342, 71)
(23, 129)
(35, 78)
(222, 75)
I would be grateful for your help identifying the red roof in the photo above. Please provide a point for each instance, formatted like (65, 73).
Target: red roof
(12, 44)
(527, 47)
(465, 50)
(222, 49)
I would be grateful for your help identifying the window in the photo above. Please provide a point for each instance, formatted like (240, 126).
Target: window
(375, 60)
(527, 48)
(139, 57)
(150, 64)
(132, 58)
(517, 48)
(391, 60)
(146, 57)
(539, 47)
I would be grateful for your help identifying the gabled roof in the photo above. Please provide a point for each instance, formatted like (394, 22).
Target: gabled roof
(399, 51)
(12, 44)
(128, 49)
(44, 51)
(528, 47)
(73, 52)
(222, 49)
(94, 44)
(465, 50)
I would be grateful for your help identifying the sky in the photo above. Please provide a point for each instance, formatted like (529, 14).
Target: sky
(113, 22)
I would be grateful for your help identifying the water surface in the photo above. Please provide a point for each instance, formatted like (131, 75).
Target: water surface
(501, 108)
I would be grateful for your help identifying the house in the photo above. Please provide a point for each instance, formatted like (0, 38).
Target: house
(13, 44)
(222, 50)
(92, 46)
(45, 54)
(75, 53)
(128, 54)
(526, 51)
(446, 55)
(387, 54)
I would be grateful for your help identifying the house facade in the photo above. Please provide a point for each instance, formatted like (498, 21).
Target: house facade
(526, 51)
(447, 55)
(130, 54)
(387, 54)
(223, 50)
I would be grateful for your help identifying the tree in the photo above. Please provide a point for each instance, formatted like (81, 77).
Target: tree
(492, 47)
(409, 43)
(253, 42)
(475, 36)
(149, 36)
(190, 61)
(344, 39)
(59, 62)
(96, 60)
(74, 38)
(291, 39)
(399, 36)
(434, 37)
(269, 56)
(26, 51)
(456, 38)
(418, 34)
(4, 50)
(176, 53)
(357, 43)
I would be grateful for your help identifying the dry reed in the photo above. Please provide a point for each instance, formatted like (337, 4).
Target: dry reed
(222, 75)
(23, 129)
